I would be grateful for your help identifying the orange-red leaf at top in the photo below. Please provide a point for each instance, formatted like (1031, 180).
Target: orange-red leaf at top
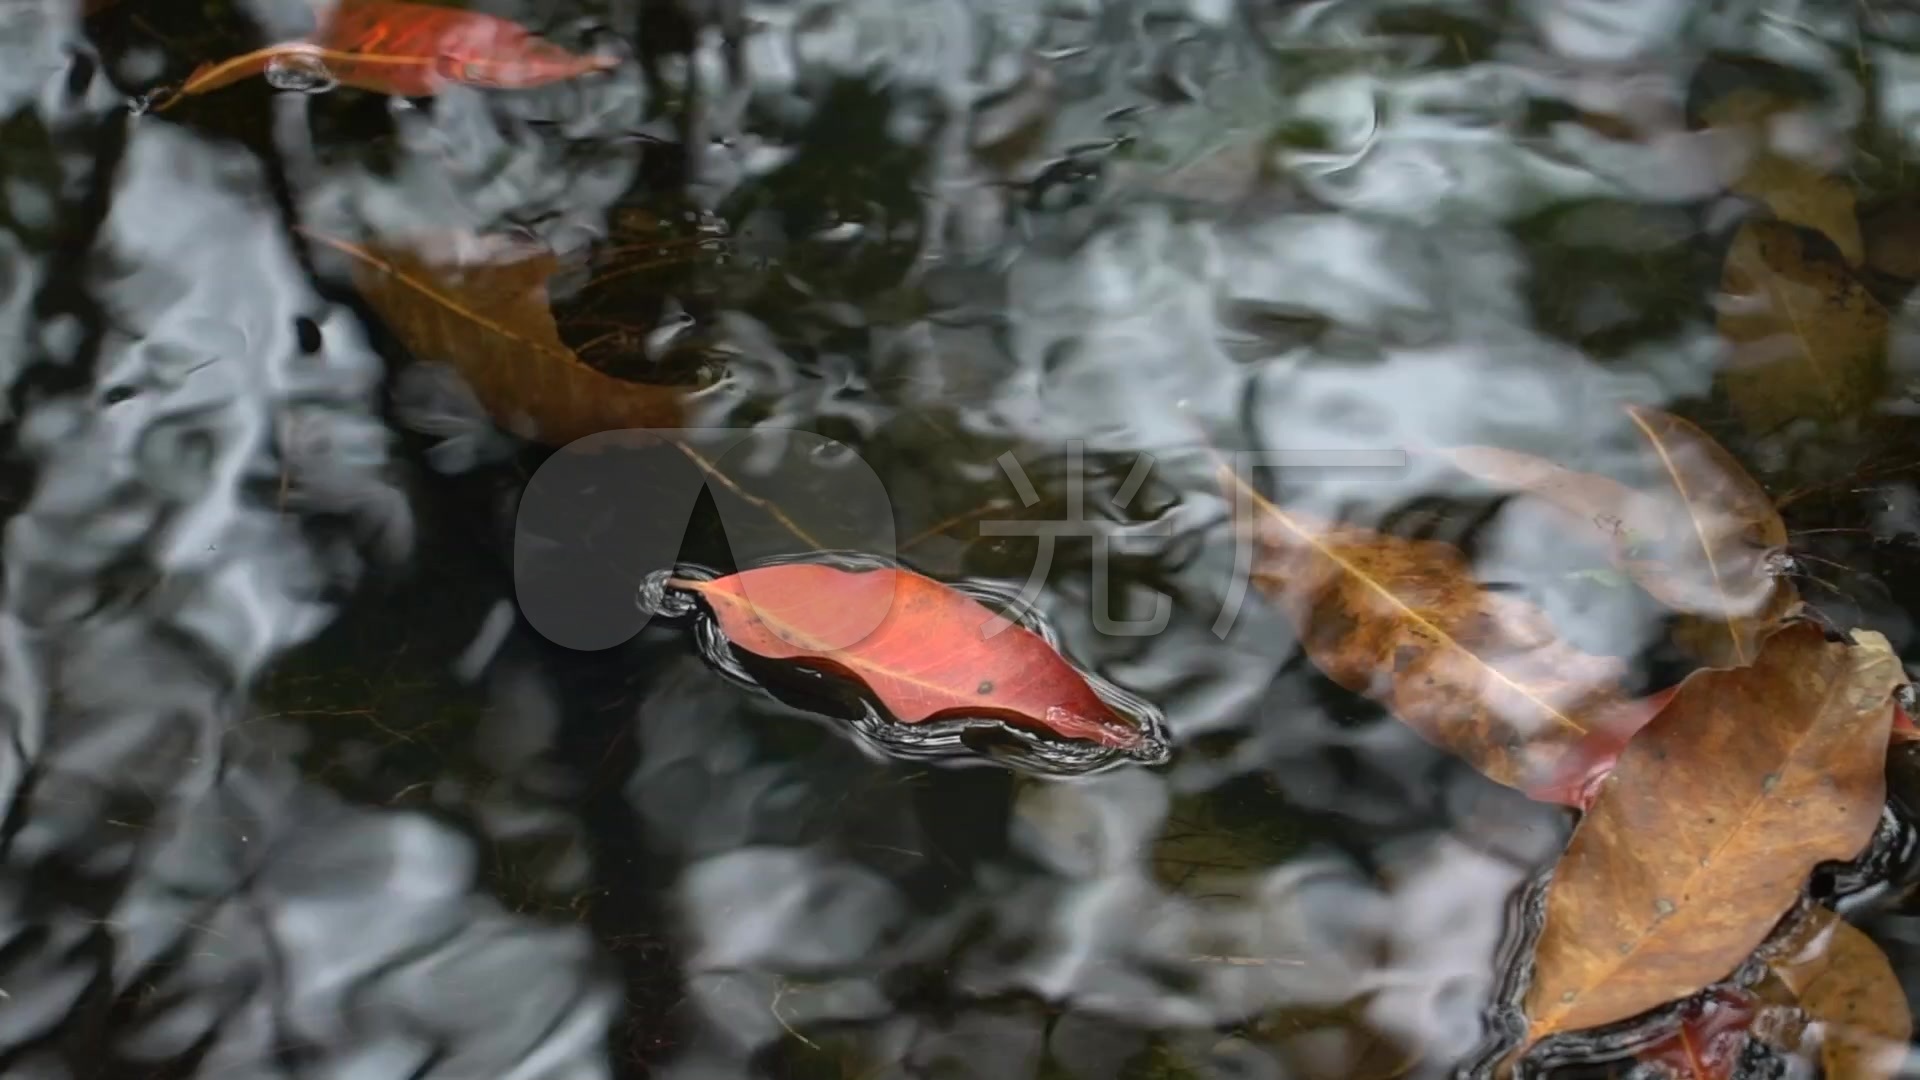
(923, 649)
(410, 50)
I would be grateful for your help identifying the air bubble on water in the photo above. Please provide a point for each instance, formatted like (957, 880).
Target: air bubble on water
(656, 596)
(297, 71)
(832, 453)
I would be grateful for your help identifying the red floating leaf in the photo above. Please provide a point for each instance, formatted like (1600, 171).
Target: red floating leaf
(924, 649)
(1578, 788)
(410, 50)
(1712, 1033)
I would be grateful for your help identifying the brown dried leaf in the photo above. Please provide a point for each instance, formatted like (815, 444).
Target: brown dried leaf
(1845, 983)
(1705, 831)
(487, 317)
(1807, 338)
(1700, 543)
(1479, 673)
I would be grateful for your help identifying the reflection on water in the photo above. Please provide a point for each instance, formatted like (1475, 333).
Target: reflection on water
(291, 790)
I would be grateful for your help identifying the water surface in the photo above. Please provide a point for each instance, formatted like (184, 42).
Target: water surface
(293, 790)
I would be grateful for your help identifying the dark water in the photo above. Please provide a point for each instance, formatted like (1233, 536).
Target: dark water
(292, 791)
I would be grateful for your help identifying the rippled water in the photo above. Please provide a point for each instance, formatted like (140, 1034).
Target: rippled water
(293, 790)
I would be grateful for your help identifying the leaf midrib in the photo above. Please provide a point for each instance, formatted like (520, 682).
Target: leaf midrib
(1411, 614)
(342, 57)
(851, 660)
(1770, 281)
(446, 300)
(1700, 532)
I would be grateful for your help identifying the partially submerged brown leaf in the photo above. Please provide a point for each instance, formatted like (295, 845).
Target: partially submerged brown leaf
(1845, 983)
(1704, 833)
(487, 318)
(1480, 673)
(1796, 192)
(1700, 543)
(1807, 338)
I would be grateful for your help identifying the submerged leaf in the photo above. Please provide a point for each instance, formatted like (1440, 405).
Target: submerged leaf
(1701, 543)
(1801, 195)
(1845, 983)
(409, 50)
(1795, 191)
(488, 319)
(924, 649)
(1706, 830)
(1893, 237)
(1216, 848)
(1480, 673)
(1807, 338)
